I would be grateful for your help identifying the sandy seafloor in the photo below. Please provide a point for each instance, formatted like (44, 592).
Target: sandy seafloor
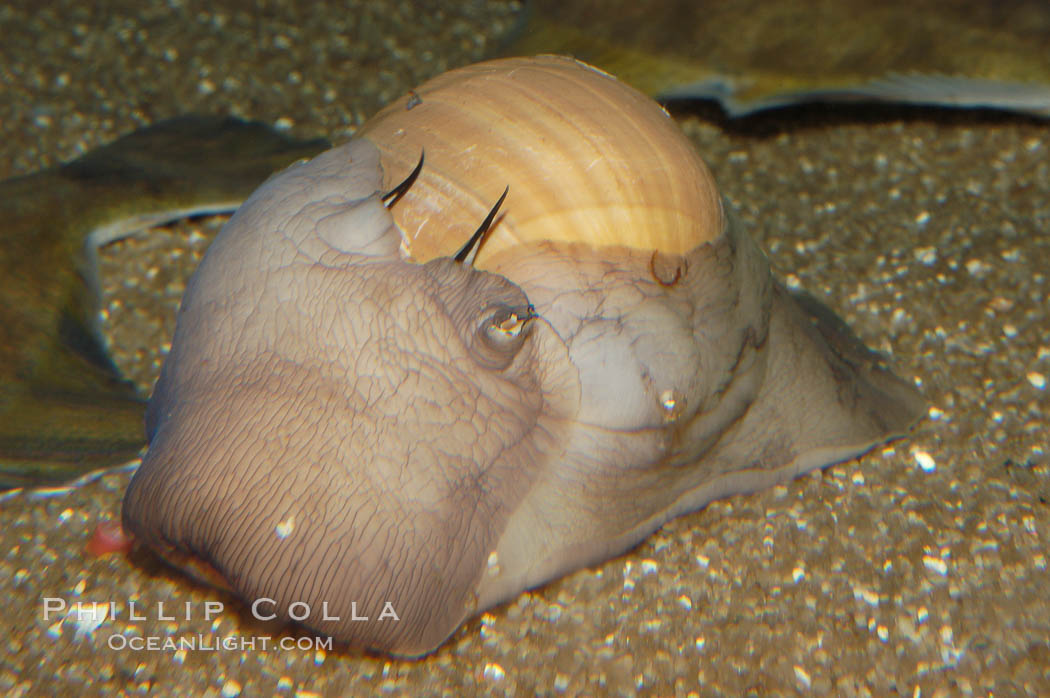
(918, 570)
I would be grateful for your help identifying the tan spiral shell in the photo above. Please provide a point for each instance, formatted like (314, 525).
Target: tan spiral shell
(587, 159)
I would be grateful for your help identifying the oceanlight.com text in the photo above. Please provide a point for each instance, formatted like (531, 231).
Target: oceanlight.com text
(212, 643)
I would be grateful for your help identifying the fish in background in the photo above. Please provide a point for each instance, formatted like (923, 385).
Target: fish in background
(751, 55)
(64, 408)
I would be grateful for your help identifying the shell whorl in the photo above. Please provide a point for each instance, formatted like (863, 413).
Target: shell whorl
(587, 159)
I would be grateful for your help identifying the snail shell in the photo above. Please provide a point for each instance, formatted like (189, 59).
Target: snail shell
(586, 158)
(352, 416)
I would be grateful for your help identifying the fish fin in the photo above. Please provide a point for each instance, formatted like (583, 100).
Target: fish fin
(958, 91)
(915, 89)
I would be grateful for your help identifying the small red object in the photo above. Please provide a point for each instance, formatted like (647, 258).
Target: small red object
(109, 537)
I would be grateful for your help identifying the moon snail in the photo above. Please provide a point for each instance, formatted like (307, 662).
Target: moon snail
(384, 387)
